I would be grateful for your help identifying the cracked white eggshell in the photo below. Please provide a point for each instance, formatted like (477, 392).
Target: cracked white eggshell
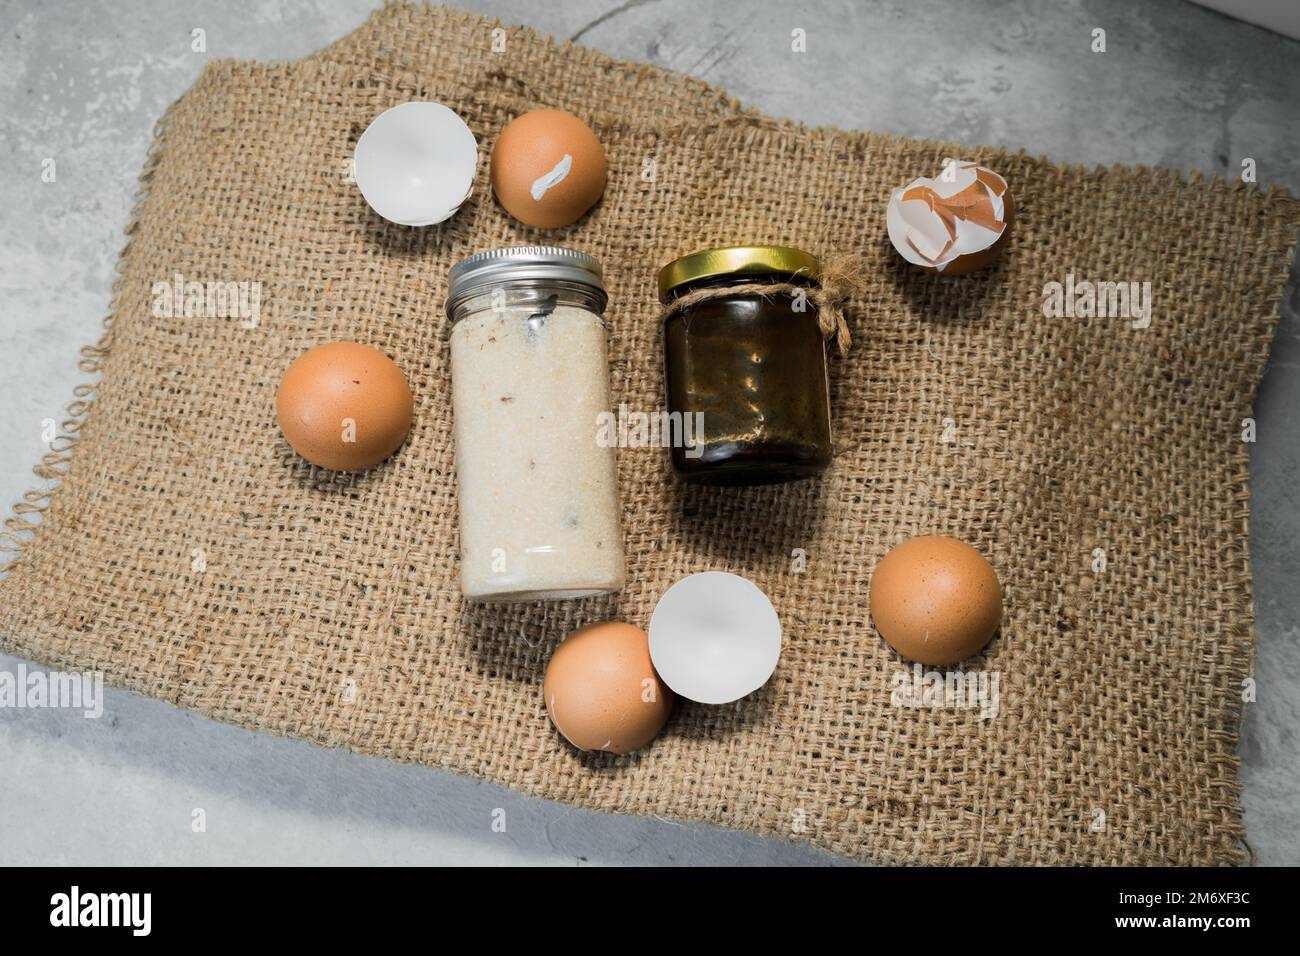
(918, 235)
(415, 163)
(714, 637)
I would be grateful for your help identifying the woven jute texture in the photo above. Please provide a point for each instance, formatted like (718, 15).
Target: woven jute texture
(178, 544)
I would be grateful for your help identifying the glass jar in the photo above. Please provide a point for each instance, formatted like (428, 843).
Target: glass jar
(751, 367)
(539, 509)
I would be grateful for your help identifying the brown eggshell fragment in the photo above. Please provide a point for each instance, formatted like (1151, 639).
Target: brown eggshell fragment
(951, 225)
(548, 168)
(602, 692)
(935, 599)
(974, 261)
(344, 406)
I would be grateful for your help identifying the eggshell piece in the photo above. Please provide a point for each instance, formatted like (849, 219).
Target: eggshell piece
(548, 168)
(415, 163)
(344, 406)
(935, 599)
(715, 637)
(602, 692)
(952, 226)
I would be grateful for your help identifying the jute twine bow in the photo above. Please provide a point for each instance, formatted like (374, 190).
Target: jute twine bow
(838, 282)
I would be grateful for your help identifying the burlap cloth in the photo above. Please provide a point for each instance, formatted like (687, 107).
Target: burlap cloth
(329, 608)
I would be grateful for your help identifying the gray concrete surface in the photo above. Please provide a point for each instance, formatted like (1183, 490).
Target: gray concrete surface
(83, 82)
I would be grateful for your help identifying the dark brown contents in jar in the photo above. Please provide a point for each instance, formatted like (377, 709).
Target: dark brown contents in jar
(756, 369)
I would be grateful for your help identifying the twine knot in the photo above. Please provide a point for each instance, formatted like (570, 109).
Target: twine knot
(836, 284)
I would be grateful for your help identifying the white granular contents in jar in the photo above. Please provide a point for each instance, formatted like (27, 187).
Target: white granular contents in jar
(538, 494)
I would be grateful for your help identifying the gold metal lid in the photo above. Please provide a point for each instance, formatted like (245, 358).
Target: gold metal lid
(737, 260)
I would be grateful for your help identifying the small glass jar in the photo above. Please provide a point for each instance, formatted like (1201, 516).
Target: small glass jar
(751, 367)
(539, 509)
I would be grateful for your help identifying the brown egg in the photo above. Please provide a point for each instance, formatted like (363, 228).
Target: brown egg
(344, 406)
(602, 692)
(548, 168)
(935, 599)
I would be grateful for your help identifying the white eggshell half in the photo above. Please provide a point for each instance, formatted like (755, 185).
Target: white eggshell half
(415, 163)
(714, 637)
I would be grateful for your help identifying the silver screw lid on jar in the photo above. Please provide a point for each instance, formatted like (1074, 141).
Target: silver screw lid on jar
(495, 268)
